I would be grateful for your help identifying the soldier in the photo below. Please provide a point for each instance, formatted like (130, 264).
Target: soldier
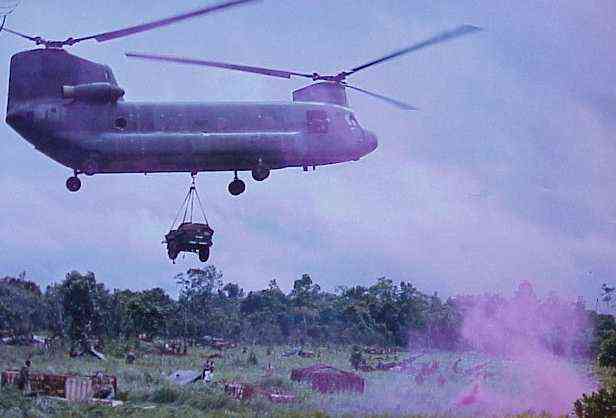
(23, 381)
(102, 386)
(269, 370)
(130, 357)
(252, 359)
(208, 371)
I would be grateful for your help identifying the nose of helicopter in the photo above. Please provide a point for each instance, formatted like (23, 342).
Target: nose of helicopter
(371, 142)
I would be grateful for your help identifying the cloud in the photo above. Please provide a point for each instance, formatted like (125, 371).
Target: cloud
(504, 175)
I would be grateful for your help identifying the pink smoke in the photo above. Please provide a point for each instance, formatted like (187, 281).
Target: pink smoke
(538, 339)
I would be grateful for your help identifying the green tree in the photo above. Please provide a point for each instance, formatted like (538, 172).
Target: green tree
(602, 326)
(607, 351)
(79, 301)
(265, 313)
(147, 312)
(21, 306)
(54, 309)
(304, 298)
(197, 290)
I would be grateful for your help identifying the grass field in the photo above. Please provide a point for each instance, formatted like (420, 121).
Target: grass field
(147, 394)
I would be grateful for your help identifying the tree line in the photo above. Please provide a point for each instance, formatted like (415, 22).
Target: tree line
(385, 313)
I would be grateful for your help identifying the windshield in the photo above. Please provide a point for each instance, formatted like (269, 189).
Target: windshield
(351, 120)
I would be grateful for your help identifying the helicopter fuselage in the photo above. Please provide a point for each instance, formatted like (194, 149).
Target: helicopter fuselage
(139, 137)
(73, 111)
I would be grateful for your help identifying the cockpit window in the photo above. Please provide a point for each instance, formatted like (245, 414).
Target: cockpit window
(318, 122)
(350, 118)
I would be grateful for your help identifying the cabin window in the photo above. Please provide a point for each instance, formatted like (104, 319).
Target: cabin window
(269, 121)
(121, 123)
(171, 122)
(222, 124)
(201, 125)
(145, 120)
(318, 122)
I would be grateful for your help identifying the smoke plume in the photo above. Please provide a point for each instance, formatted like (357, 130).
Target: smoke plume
(538, 342)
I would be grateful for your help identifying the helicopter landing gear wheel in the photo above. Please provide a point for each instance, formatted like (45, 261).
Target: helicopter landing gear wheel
(237, 186)
(73, 184)
(260, 174)
(204, 254)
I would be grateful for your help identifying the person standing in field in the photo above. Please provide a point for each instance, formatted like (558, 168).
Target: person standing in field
(23, 381)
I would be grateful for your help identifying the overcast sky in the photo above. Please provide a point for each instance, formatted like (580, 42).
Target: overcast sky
(506, 173)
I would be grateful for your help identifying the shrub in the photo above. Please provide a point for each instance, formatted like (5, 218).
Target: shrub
(600, 404)
(275, 382)
(165, 394)
(356, 358)
(210, 399)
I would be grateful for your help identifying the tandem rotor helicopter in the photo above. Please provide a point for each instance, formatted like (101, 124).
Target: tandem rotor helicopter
(73, 111)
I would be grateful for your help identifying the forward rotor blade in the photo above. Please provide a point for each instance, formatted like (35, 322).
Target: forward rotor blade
(107, 36)
(442, 37)
(394, 102)
(226, 66)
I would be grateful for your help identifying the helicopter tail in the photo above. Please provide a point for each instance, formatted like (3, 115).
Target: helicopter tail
(41, 74)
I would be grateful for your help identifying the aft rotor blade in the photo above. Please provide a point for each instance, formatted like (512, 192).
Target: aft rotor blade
(442, 37)
(107, 36)
(14, 32)
(226, 66)
(394, 102)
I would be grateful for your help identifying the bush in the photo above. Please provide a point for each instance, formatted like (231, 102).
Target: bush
(274, 382)
(211, 399)
(119, 347)
(607, 351)
(165, 394)
(600, 404)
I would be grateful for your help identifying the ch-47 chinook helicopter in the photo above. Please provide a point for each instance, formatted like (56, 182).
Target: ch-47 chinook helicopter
(73, 111)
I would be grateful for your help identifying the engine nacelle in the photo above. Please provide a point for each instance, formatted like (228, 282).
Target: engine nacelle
(95, 92)
(324, 92)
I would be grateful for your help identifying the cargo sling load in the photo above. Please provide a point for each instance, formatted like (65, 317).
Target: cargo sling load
(190, 236)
